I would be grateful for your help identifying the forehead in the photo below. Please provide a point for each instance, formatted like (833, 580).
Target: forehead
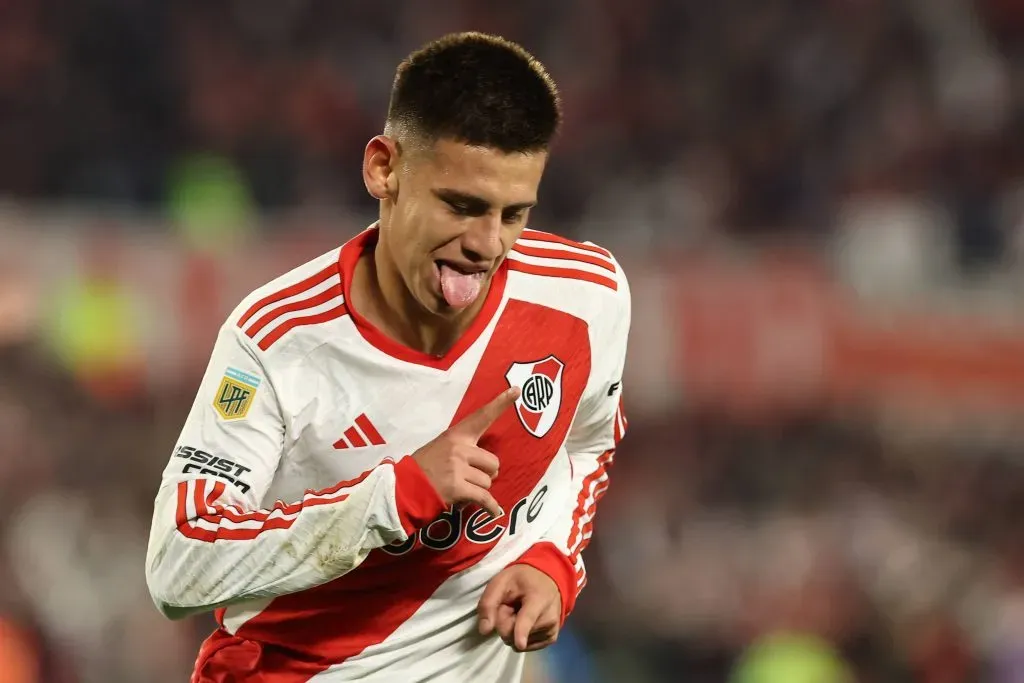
(500, 178)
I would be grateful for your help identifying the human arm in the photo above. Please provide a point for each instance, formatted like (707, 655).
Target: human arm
(213, 542)
(546, 580)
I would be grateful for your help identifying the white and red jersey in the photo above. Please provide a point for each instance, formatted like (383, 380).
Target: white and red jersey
(289, 504)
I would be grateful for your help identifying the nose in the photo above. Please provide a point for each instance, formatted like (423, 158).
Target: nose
(482, 242)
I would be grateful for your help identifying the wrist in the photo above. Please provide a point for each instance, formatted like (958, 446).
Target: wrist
(547, 558)
(416, 499)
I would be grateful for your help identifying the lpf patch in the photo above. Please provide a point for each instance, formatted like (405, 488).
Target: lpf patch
(541, 385)
(235, 394)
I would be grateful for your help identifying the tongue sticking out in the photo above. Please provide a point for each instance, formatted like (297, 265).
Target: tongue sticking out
(459, 289)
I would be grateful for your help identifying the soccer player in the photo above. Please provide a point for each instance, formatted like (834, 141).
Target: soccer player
(393, 461)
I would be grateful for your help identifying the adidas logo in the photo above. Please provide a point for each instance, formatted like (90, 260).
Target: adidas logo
(362, 433)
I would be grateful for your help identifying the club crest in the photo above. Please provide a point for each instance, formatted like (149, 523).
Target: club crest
(541, 385)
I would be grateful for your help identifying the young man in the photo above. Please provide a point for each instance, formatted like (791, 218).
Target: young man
(436, 402)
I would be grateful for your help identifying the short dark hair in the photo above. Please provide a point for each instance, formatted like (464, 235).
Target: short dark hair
(478, 89)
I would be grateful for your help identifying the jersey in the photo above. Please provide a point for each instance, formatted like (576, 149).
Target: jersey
(290, 507)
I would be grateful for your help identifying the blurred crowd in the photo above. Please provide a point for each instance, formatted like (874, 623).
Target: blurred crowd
(684, 119)
(811, 548)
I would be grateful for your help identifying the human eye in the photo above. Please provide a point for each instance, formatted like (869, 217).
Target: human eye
(458, 208)
(513, 217)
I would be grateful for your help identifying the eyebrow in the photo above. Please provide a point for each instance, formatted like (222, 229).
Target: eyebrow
(450, 195)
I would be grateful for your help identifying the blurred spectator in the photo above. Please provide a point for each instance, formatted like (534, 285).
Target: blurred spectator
(94, 324)
(682, 118)
(19, 659)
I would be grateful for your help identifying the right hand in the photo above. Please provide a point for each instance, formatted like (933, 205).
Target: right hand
(461, 471)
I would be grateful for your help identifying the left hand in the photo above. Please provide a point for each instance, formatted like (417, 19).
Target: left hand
(524, 606)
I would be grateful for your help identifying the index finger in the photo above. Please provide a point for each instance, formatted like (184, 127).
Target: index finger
(526, 619)
(475, 424)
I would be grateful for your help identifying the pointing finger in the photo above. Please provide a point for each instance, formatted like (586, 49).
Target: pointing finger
(475, 424)
(526, 618)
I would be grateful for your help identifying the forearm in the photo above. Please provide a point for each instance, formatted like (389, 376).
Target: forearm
(206, 550)
(599, 426)
(559, 552)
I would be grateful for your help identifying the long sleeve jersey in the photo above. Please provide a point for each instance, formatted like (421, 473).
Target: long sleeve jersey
(289, 504)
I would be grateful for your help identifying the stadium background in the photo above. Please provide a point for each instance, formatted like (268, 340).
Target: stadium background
(821, 209)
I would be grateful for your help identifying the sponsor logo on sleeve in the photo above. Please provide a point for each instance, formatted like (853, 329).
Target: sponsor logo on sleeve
(235, 394)
(208, 465)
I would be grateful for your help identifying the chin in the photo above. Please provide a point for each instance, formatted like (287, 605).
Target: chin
(443, 310)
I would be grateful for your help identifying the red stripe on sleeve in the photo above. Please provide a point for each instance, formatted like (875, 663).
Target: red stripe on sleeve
(620, 422)
(297, 288)
(564, 256)
(588, 514)
(302, 304)
(566, 273)
(228, 519)
(315, 319)
(199, 497)
(558, 239)
(590, 484)
(181, 510)
(552, 561)
(215, 493)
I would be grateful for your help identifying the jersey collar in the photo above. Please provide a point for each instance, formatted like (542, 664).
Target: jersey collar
(366, 241)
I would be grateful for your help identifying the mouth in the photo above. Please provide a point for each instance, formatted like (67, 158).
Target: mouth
(461, 268)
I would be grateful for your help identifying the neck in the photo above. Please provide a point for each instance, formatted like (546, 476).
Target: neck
(384, 300)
